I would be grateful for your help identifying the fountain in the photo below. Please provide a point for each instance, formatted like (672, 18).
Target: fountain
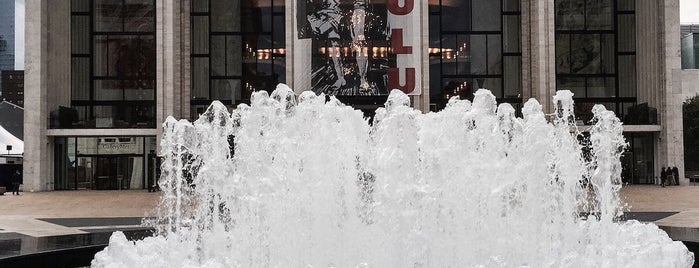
(313, 184)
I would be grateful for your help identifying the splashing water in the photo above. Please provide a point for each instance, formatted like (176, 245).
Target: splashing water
(281, 184)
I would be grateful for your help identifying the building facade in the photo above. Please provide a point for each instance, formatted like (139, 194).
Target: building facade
(13, 87)
(7, 38)
(96, 99)
(690, 46)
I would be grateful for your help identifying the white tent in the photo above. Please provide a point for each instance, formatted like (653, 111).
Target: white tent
(6, 138)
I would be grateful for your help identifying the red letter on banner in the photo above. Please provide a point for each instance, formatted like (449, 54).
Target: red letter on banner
(397, 43)
(394, 8)
(394, 80)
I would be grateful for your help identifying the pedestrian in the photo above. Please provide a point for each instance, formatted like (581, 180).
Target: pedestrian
(676, 173)
(670, 177)
(16, 180)
(663, 176)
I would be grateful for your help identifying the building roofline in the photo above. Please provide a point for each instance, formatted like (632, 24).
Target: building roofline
(15, 105)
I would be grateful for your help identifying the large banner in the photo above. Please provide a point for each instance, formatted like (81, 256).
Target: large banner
(358, 47)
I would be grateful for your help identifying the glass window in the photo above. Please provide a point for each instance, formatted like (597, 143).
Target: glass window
(485, 15)
(80, 5)
(513, 77)
(124, 56)
(626, 5)
(449, 59)
(80, 78)
(200, 78)
(594, 57)
(574, 84)
(257, 16)
(104, 163)
(511, 5)
(225, 15)
(627, 76)
(477, 46)
(200, 35)
(200, 5)
(108, 90)
(226, 89)
(239, 48)
(109, 16)
(434, 31)
(139, 16)
(80, 34)
(453, 16)
(462, 87)
(563, 53)
(234, 47)
(279, 39)
(218, 55)
(627, 32)
(601, 87)
(642, 144)
(479, 60)
(607, 53)
(599, 14)
(492, 84)
(585, 54)
(570, 14)
(118, 91)
(512, 34)
(494, 54)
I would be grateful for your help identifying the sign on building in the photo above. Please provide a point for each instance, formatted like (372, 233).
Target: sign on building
(357, 47)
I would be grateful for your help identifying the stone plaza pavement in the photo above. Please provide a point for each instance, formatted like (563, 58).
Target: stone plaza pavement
(675, 209)
(74, 212)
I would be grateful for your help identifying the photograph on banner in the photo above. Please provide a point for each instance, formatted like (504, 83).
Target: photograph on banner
(350, 46)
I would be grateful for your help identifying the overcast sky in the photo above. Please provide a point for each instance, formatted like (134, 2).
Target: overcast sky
(689, 11)
(19, 35)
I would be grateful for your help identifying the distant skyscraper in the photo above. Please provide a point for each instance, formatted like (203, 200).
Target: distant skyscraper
(7, 36)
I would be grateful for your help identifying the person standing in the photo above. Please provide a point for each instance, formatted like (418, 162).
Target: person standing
(16, 180)
(676, 173)
(670, 177)
(663, 176)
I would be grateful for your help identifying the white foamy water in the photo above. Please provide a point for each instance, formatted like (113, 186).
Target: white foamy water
(314, 184)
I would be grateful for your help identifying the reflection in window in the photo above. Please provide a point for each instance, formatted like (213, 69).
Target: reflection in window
(112, 66)
(595, 54)
(585, 53)
(584, 14)
(103, 163)
(237, 47)
(475, 44)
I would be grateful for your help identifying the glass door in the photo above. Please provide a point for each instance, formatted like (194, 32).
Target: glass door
(118, 172)
(64, 164)
(84, 172)
(638, 159)
(106, 173)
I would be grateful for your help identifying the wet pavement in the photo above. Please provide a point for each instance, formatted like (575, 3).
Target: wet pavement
(45, 223)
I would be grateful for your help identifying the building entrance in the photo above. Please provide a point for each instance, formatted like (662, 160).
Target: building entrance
(114, 172)
(637, 161)
(102, 163)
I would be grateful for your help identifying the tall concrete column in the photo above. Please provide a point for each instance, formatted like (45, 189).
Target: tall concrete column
(36, 143)
(649, 53)
(172, 60)
(671, 137)
(422, 102)
(539, 52)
